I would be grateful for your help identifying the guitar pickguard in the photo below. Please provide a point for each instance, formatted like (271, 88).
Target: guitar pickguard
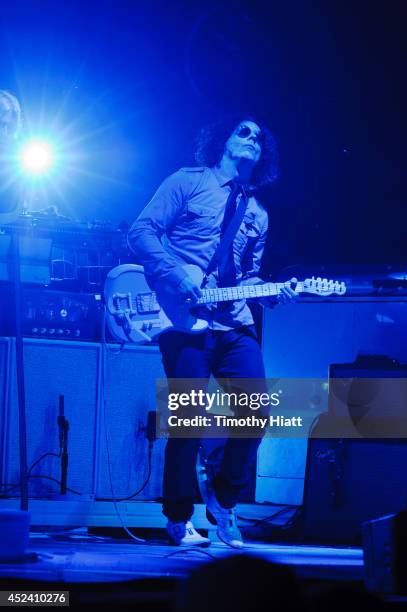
(147, 303)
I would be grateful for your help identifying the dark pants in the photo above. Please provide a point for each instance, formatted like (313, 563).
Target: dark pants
(225, 354)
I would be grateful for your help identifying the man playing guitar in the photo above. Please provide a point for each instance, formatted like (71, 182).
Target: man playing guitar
(193, 208)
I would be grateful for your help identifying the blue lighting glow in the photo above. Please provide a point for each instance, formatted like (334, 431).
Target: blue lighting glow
(37, 157)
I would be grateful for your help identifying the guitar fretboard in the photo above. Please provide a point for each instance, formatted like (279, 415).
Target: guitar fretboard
(227, 294)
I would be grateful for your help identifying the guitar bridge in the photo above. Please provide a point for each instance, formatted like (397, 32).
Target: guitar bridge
(121, 304)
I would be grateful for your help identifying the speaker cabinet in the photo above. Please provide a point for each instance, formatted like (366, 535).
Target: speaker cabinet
(106, 396)
(130, 393)
(52, 369)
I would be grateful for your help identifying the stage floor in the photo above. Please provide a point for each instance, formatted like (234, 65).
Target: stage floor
(82, 558)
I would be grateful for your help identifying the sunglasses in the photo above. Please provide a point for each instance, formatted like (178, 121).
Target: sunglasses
(245, 131)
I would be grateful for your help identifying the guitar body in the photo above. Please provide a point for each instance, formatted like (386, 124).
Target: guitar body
(137, 314)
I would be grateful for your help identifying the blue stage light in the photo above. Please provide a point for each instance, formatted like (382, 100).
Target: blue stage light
(37, 157)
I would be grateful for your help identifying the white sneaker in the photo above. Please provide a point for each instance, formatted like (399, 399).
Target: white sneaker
(185, 534)
(225, 519)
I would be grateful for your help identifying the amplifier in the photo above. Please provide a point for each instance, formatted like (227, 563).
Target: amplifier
(360, 476)
(349, 482)
(54, 314)
(385, 553)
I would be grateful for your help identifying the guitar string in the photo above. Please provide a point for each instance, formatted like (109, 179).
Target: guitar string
(224, 294)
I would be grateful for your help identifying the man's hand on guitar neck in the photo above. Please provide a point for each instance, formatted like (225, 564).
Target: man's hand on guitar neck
(188, 291)
(287, 295)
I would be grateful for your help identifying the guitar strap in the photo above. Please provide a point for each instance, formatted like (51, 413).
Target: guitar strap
(222, 250)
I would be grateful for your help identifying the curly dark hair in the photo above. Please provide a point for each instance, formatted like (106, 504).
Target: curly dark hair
(211, 140)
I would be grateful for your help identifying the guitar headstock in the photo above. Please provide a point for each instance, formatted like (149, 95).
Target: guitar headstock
(324, 286)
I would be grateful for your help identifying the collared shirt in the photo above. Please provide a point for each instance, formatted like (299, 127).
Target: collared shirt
(187, 211)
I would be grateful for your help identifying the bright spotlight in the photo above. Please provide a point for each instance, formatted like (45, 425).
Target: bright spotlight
(37, 157)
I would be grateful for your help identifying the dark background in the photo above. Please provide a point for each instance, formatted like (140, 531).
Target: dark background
(123, 87)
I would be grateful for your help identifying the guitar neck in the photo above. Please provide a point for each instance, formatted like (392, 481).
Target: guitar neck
(228, 294)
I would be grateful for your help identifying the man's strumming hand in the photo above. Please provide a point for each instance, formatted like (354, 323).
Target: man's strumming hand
(188, 291)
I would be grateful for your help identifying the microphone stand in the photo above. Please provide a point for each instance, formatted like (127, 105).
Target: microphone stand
(22, 424)
(63, 425)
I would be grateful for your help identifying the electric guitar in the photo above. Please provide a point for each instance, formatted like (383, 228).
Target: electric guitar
(136, 314)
